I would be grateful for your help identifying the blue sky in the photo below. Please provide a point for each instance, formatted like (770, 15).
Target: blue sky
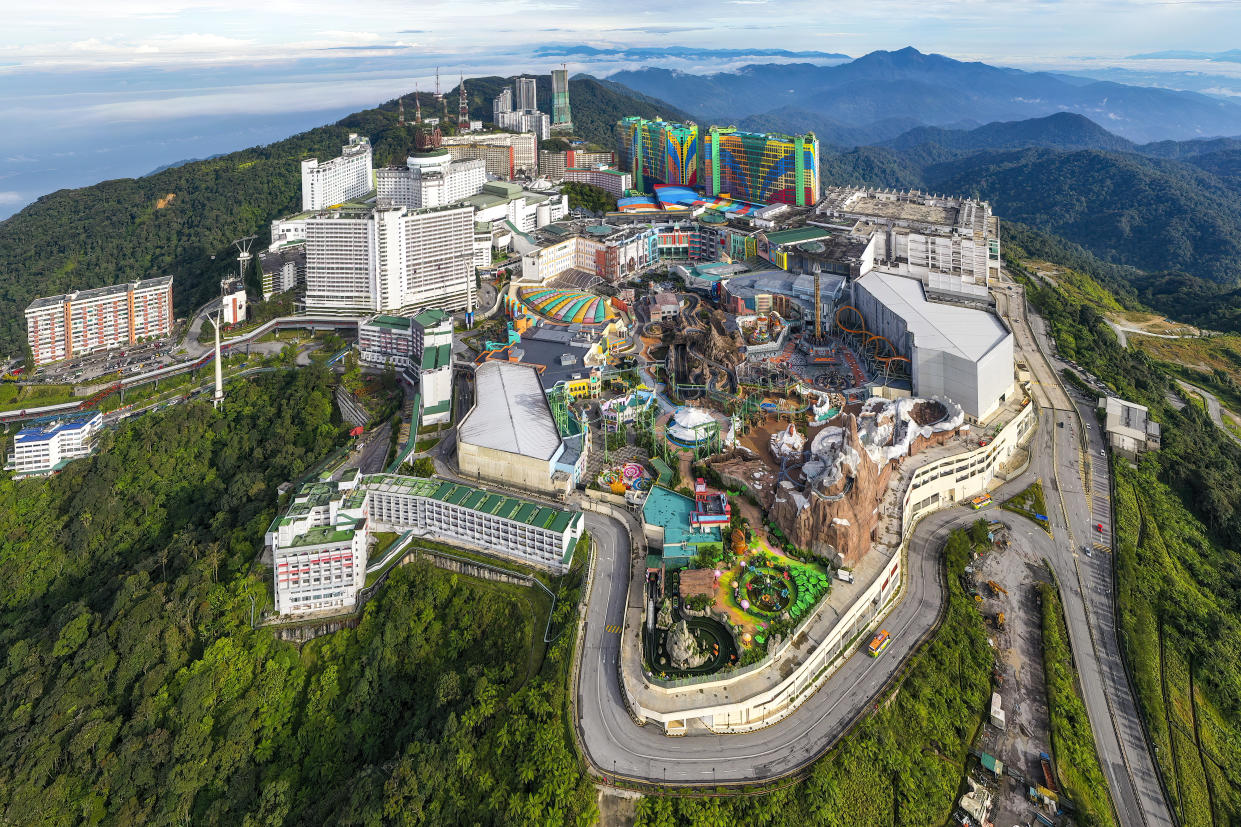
(103, 88)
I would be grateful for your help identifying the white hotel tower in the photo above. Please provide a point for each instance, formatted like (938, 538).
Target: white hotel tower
(340, 179)
(389, 259)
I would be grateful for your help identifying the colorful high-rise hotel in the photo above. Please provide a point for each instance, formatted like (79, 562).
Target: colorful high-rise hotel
(747, 166)
(658, 152)
(761, 168)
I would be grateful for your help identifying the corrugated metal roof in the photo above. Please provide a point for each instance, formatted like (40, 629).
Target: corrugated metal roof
(964, 331)
(510, 413)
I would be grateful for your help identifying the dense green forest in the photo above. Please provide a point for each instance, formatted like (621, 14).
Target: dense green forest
(904, 763)
(592, 198)
(130, 228)
(1178, 524)
(136, 690)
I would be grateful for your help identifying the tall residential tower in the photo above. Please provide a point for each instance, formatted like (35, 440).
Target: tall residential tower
(340, 179)
(526, 97)
(562, 121)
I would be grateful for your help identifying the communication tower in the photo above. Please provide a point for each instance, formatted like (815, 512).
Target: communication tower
(463, 109)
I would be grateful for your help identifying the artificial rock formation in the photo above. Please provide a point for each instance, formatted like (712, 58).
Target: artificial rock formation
(834, 511)
(837, 512)
(684, 650)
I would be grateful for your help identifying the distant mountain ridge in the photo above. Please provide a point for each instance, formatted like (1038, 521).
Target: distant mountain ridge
(1063, 130)
(937, 91)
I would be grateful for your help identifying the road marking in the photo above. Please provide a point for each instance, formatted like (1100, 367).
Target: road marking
(612, 629)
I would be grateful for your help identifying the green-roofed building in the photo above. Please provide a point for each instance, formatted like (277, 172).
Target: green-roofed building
(420, 346)
(485, 520)
(319, 546)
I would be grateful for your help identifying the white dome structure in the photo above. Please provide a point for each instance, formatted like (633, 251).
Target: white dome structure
(690, 426)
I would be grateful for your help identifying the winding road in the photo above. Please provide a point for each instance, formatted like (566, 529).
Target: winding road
(617, 747)
(1077, 491)
(1213, 408)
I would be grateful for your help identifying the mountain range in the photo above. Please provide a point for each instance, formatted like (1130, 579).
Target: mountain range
(933, 90)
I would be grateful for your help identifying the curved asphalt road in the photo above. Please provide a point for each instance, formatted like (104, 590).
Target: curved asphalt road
(617, 747)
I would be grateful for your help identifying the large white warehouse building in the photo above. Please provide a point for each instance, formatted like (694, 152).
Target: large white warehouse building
(510, 436)
(963, 353)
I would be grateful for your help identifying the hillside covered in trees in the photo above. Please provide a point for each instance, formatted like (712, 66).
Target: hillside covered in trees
(136, 691)
(1178, 565)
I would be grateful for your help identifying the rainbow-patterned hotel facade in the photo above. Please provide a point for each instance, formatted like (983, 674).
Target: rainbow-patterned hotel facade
(657, 152)
(753, 167)
(761, 168)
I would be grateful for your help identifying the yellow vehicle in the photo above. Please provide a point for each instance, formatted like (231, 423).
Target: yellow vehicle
(981, 501)
(878, 643)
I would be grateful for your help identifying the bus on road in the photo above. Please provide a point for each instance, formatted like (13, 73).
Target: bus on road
(878, 643)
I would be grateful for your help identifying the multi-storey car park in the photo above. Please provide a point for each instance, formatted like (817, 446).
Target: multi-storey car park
(918, 233)
(102, 318)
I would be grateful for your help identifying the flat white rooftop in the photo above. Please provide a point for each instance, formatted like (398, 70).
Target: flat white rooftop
(963, 331)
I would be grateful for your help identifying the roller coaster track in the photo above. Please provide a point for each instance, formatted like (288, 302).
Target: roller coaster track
(868, 337)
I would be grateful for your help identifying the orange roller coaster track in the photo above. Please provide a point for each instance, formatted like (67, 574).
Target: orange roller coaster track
(861, 321)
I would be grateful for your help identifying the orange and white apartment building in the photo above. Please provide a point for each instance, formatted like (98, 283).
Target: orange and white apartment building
(102, 318)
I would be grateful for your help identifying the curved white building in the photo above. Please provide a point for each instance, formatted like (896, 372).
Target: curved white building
(430, 179)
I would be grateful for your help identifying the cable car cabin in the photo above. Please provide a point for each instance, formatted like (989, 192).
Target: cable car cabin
(878, 643)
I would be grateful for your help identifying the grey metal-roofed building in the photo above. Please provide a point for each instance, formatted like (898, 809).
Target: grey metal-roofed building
(1128, 426)
(963, 353)
(510, 436)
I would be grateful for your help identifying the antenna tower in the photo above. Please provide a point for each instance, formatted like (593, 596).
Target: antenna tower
(463, 108)
(438, 96)
(400, 112)
(417, 107)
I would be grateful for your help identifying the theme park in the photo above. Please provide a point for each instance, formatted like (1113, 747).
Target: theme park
(767, 385)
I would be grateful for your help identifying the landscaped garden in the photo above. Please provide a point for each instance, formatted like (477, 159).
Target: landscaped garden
(1029, 503)
(762, 591)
